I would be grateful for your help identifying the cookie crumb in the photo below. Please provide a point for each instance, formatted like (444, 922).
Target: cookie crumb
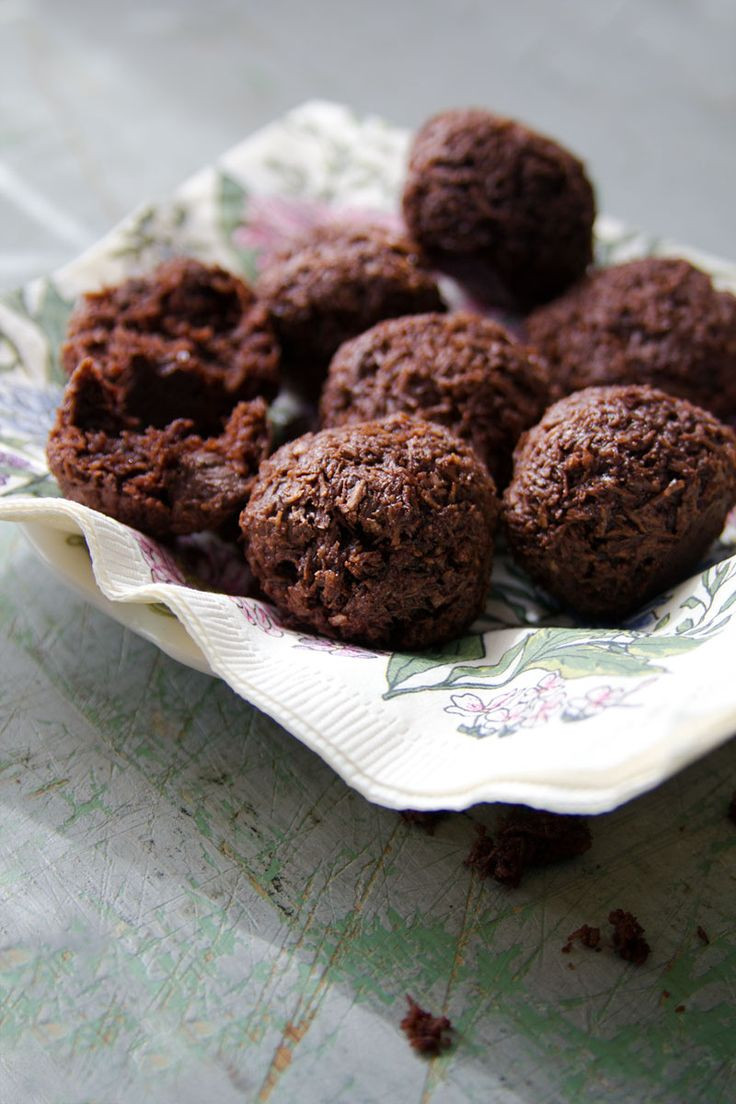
(702, 934)
(427, 821)
(480, 855)
(527, 838)
(426, 1033)
(628, 937)
(588, 936)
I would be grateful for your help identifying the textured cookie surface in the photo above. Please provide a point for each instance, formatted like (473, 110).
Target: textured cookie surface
(616, 495)
(460, 370)
(196, 333)
(335, 283)
(656, 321)
(163, 480)
(487, 188)
(379, 533)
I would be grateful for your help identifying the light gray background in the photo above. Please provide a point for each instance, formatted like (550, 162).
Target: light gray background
(103, 104)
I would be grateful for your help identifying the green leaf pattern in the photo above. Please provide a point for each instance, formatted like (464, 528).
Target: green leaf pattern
(565, 655)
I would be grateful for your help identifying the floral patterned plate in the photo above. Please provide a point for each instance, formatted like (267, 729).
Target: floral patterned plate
(528, 705)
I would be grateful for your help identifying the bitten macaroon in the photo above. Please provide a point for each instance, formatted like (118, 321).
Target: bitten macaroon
(165, 480)
(193, 335)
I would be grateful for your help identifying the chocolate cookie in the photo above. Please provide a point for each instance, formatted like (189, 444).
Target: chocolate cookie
(658, 321)
(494, 202)
(616, 495)
(205, 340)
(336, 282)
(460, 370)
(379, 533)
(164, 481)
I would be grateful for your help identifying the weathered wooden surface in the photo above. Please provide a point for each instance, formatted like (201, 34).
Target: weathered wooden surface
(196, 908)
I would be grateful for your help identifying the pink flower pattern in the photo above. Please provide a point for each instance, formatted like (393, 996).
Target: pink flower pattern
(531, 706)
(259, 615)
(273, 222)
(12, 465)
(334, 647)
(161, 563)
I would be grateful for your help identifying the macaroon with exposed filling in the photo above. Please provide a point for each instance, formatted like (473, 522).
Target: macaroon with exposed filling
(165, 481)
(197, 339)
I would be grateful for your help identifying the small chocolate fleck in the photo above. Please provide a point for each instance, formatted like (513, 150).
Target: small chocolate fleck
(588, 936)
(628, 937)
(527, 838)
(732, 807)
(680, 1008)
(427, 821)
(427, 1033)
(702, 934)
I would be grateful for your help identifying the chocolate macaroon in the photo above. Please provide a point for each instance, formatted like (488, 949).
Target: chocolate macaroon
(656, 321)
(380, 533)
(336, 282)
(164, 480)
(506, 210)
(197, 333)
(616, 495)
(460, 370)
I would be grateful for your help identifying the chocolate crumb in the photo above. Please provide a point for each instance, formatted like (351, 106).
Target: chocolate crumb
(732, 807)
(702, 934)
(588, 936)
(666, 994)
(628, 937)
(427, 821)
(427, 1033)
(680, 1008)
(480, 855)
(527, 838)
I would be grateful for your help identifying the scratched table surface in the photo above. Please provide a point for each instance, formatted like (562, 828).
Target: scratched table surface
(193, 907)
